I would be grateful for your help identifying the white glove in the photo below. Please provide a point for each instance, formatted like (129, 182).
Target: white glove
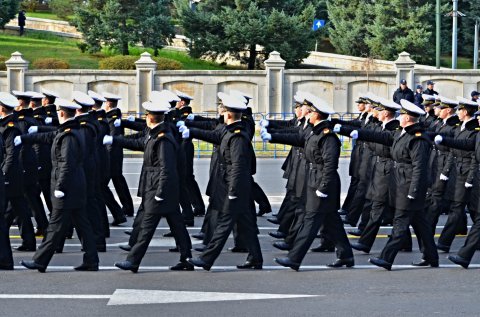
(107, 140)
(443, 177)
(48, 120)
(320, 194)
(232, 197)
(182, 128)
(468, 185)
(180, 123)
(337, 127)
(131, 118)
(264, 123)
(17, 141)
(266, 136)
(58, 194)
(438, 139)
(117, 123)
(191, 117)
(410, 197)
(354, 134)
(185, 133)
(158, 198)
(33, 129)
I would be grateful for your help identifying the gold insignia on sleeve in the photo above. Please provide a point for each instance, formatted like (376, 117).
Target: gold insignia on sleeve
(68, 130)
(161, 135)
(478, 129)
(10, 124)
(185, 113)
(418, 134)
(326, 130)
(114, 117)
(21, 117)
(236, 131)
(83, 123)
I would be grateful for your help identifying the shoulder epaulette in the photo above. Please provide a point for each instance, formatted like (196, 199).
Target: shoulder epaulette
(21, 117)
(161, 135)
(114, 117)
(67, 130)
(477, 129)
(83, 123)
(236, 131)
(418, 134)
(185, 113)
(10, 124)
(458, 124)
(326, 130)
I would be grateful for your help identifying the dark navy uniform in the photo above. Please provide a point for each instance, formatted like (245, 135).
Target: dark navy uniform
(6, 259)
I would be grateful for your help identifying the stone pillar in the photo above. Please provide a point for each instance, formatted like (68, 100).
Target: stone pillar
(146, 68)
(275, 67)
(16, 69)
(405, 70)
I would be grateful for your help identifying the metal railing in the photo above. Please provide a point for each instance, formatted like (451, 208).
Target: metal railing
(264, 149)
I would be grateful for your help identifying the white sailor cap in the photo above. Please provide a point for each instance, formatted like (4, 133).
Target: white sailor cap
(64, 103)
(183, 95)
(21, 94)
(361, 98)
(96, 96)
(464, 102)
(8, 100)
(50, 93)
(411, 109)
(370, 97)
(158, 106)
(385, 104)
(446, 103)
(222, 95)
(82, 99)
(167, 94)
(232, 103)
(110, 96)
(299, 97)
(236, 93)
(319, 104)
(428, 97)
(35, 95)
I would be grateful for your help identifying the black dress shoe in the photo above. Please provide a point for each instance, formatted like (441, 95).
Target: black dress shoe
(381, 263)
(168, 234)
(128, 232)
(426, 263)
(24, 248)
(6, 267)
(282, 245)
(360, 247)
(200, 248)
(342, 262)
(250, 265)
(127, 266)
(263, 212)
(459, 260)
(323, 248)
(198, 236)
(273, 220)
(287, 263)
(277, 234)
(182, 266)
(200, 263)
(173, 249)
(236, 249)
(31, 265)
(443, 247)
(355, 232)
(87, 267)
(101, 248)
(117, 222)
(125, 247)
(199, 213)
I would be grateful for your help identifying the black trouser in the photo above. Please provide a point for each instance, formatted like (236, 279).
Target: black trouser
(350, 193)
(367, 207)
(296, 225)
(60, 221)
(239, 237)
(195, 194)
(357, 203)
(136, 225)
(17, 208)
(377, 214)
(32, 196)
(123, 193)
(456, 219)
(473, 240)
(186, 203)
(401, 230)
(236, 213)
(44, 184)
(261, 199)
(289, 204)
(6, 258)
(311, 224)
(93, 215)
(111, 203)
(148, 225)
(211, 219)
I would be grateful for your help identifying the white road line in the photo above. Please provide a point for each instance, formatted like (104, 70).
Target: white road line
(53, 296)
(265, 267)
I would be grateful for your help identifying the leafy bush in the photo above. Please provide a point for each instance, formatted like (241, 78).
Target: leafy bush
(50, 63)
(128, 63)
(2, 63)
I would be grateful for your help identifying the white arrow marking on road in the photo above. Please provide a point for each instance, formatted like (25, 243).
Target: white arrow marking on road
(134, 296)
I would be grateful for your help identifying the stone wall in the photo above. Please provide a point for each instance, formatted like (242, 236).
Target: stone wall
(272, 88)
(58, 27)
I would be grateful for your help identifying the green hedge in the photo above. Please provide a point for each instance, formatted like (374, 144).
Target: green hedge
(128, 63)
(2, 63)
(50, 63)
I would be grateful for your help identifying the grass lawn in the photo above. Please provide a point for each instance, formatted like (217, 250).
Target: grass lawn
(35, 45)
(462, 62)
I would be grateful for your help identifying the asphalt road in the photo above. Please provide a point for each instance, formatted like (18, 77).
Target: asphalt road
(314, 291)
